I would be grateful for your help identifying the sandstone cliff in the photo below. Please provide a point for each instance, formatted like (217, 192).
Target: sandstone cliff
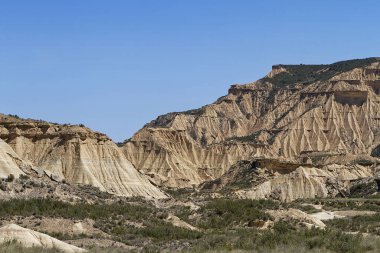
(75, 154)
(329, 113)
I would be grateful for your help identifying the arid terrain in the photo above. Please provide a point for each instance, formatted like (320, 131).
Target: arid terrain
(288, 163)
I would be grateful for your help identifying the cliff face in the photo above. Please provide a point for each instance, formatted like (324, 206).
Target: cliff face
(286, 181)
(9, 161)
(329, 113)
(76, 154)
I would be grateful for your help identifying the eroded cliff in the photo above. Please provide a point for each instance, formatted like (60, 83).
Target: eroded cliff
(263, 178)
(77, 155)
(9, 161)
(330, 113)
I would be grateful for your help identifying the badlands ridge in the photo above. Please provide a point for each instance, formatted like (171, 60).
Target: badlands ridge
(302, 131)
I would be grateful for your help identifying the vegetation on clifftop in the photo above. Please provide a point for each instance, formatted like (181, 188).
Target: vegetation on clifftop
(306, 74)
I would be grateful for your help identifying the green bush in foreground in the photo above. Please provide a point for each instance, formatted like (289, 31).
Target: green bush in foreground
(223, 213)
(12, 247)
(224, 224)
(363, 224)
(284, 238)
(53, 208)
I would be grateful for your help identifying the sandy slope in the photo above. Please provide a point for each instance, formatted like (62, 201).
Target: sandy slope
(30, 238)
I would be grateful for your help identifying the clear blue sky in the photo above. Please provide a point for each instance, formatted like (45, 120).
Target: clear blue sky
(116, 65)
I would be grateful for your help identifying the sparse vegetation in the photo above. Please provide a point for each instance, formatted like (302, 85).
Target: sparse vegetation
(284, 238)
(363, 188)
(224, 225)
(223, 213)
(3, 185)
(13, 247)
(113, 219)
(349, 204)
(363, 224)
(196, 112)
(10, 178)
(306, 74)
(180, 193)
(308, 208)
(14, 116)
(53, 208)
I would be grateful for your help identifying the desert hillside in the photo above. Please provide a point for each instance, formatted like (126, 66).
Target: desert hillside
(289, 163)
(320, 114)
(75, 154)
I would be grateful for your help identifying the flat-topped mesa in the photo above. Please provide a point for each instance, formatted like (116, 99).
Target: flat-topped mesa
(77, 154)
(318, 108)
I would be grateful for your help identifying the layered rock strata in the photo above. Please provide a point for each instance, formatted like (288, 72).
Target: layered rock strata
(76, 154)
(329, 113)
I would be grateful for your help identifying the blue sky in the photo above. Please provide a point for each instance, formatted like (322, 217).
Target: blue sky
(116, 65)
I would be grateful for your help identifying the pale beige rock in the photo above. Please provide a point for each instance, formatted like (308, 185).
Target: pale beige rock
(175, 221)
(327, 121)
(296, 214)
(353, 213)
(8, 164)
(329, 215)
(76, 154)
(306, 182)
(277, 69)
(30, 238)
(325, 215)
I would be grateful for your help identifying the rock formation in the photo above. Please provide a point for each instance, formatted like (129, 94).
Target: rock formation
(306, 124)
(323, 113)
(286, 181)
(75, 154)
(8, 161)
(30, 238)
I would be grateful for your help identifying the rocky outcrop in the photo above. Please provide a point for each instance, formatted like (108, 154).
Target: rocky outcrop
(30, 238)
(304, 183)
(331, 111)
(77, 155)
(173, 158)
(287, 181)
(9, 161)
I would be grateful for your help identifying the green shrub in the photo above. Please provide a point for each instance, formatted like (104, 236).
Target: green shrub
(13, 247)
(53, 208)
(223, 223)
(226, 213)
(363, 223)
(10, 178)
